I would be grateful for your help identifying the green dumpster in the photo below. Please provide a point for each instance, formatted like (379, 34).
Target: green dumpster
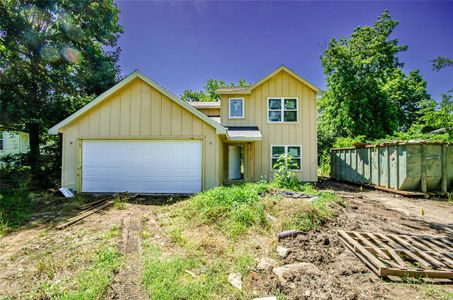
(408, 166)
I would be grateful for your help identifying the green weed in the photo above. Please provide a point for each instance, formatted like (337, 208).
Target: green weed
(119, 202)
(312, 215)
(233, 208)
(167, 278)
(90, 283)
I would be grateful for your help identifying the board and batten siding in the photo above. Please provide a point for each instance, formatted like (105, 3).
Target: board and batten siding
(138, 111)
(301, 133)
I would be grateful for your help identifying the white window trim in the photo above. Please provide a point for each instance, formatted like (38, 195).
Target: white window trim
(282, 110)
(243, 108)
(286, 152)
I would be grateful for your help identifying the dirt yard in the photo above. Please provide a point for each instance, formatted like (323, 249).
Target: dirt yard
(40, 262)
(343, 276)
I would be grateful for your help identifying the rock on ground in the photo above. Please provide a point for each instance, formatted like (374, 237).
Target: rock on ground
(266, 264)
(283, 251)
(291, 271)
(235, 279)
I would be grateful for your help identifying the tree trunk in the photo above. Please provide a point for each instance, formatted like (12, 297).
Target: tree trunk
(35, 154)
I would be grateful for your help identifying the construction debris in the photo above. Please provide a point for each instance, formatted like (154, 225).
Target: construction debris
(402, 255)
(93, 207)
(85, 213)
(66, 192)
(283, 251)
(266, 264)
(289, 233)
(291, 271)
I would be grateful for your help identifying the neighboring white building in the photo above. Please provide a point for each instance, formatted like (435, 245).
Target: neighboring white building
(13, 143)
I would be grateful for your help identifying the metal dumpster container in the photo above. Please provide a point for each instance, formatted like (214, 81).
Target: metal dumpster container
(407, 166)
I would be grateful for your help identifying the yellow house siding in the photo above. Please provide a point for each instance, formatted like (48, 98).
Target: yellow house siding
(210, 111)
(301, 133)
(138, 111)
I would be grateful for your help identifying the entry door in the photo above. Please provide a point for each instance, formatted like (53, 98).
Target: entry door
(158, 166)
(234, 162)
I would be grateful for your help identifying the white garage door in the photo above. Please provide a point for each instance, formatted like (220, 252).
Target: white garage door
(141, 166)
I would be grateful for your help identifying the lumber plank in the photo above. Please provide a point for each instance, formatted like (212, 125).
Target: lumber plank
(376, 262)
(384, 256)
(423, 251)
(83, 215)
(361, 257)
(390, 250)
(414, 273)
(408, 250)
(94, 203)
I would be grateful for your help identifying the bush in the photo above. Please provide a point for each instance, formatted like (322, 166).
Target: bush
(284, 177)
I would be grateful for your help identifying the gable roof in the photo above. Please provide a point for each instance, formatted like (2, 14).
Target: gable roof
(136, 74)
(249, 89)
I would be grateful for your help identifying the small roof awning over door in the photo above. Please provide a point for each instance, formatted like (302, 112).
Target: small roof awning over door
(243, 133)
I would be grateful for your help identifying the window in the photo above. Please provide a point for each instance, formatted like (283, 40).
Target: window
(294, 151)
(1, 140)
(236, 108)
(282, 110)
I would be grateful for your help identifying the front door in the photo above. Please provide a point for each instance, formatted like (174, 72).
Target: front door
(234, 162)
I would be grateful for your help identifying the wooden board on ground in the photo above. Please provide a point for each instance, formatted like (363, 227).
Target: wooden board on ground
(402, 255)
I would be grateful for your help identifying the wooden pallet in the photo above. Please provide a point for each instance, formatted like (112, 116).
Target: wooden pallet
(402, 255)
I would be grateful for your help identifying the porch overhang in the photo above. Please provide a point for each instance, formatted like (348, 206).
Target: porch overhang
(243, 133)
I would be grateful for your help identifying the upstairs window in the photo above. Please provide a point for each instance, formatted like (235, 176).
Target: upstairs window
(282, 110)
(1, 140)
(295, 152)
(236, 108)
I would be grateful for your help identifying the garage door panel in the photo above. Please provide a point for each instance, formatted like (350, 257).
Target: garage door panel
(141, 166)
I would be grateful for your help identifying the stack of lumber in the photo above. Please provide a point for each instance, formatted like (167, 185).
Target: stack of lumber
(87, 210)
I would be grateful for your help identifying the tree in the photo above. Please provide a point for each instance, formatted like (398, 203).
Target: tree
(439, 115)
(367, 93)
(208, 94)
(53, 60)
(409, 95)
(441, 62)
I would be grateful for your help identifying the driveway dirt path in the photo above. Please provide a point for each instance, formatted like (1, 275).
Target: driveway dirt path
(127, 283)
(436, 213)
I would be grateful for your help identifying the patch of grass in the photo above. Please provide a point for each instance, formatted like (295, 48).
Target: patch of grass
(90, 284)
(16, 208)
(119, 202)
(94, 266)
(233, 208)
(244, 263)
(167, 277)
(437, 292)
(311, 215)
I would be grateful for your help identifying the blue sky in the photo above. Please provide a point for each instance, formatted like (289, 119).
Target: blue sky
(182, 44)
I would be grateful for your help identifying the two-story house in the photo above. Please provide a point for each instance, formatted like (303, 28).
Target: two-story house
(139, 137)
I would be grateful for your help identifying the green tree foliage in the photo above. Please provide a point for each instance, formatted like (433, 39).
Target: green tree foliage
(439, 116)
(367, 93)
(409, 96)
(441, 62)
(208, 94)
(53, 59)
